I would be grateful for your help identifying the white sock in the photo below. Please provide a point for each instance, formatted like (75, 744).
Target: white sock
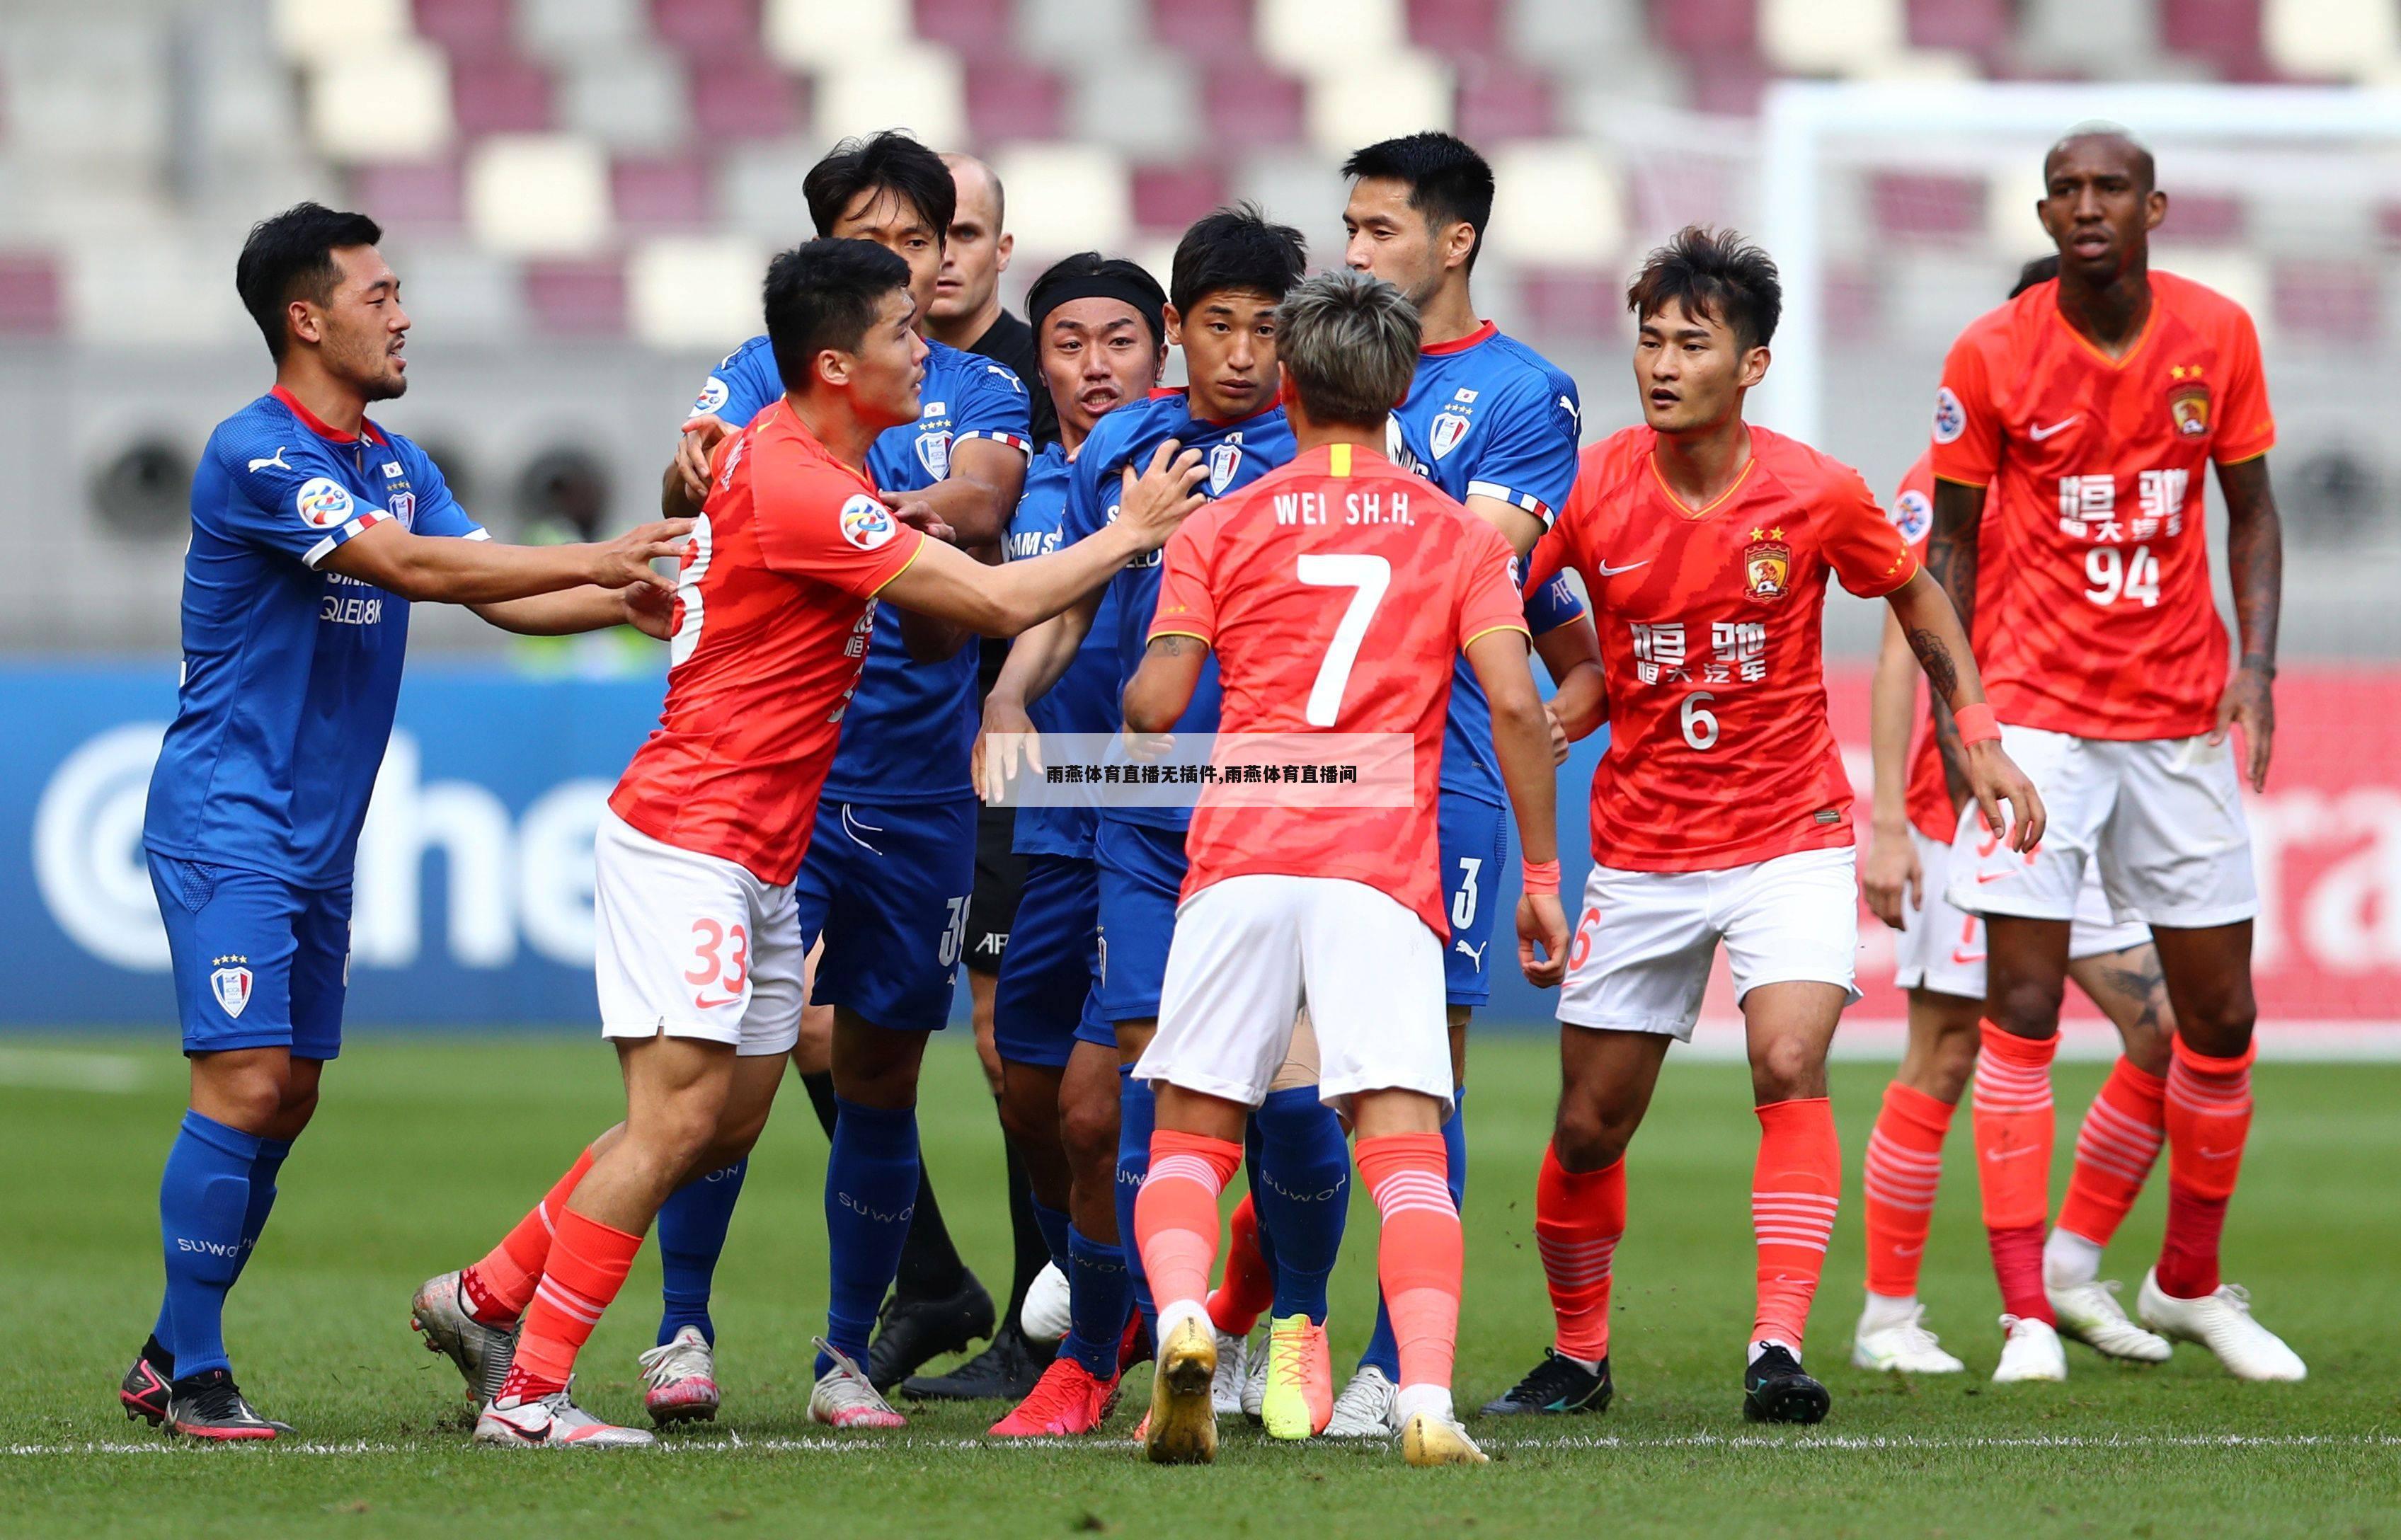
(1765, 1342)
(1429, 1399)
(2068, 1259)
(1590, 1366)
(1174, 1313)
(1883, 1310)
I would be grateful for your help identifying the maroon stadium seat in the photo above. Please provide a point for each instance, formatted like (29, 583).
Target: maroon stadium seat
(1578, 305)
(1500, 99)
(743, 98)
(662, 193)
(1168, 198)
(2335, 300)
(1455, 29)
(498, 92)
(970, 26)
(1927, 204)
(708, 29)
(410, 196)
(1010, 99)
(1978, 27)
(1706, 27)
(1205, 31)
(2223, 32)
(30, 301)
(467, 26)
(1248, 105)
(2202, 216)
(583, 297)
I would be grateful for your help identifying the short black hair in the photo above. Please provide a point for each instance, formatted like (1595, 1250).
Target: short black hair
(2042, 269)
(1089, 275)
(1235, 248)
(291, 256)
(1715, 274)
(824, 293)
(887, 162)
(1449, 182)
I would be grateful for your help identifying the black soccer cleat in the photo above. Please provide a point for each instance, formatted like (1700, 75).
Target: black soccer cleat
(913, 1332)
(1775, 1389)
(144, 1392)
(1005, 1371)
(210, 1406)
(1555, 1388)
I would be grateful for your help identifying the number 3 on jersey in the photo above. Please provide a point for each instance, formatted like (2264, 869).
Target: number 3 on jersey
(1368, 576)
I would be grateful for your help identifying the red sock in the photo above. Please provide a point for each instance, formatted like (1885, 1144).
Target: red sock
(1175, 1217)
(589, 1263)
(1794, 1189)
(1249, 1288)
(2208, 1119)
(498, 1287)
(2114, 1151)
(2013, 1138)
(1420, 1253)
(1579, 1218)
(1903, 1165)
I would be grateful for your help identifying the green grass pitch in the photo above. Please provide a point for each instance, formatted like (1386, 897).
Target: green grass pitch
(426, 1147)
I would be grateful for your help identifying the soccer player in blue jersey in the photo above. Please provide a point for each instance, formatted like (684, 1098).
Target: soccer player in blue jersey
(313, 528)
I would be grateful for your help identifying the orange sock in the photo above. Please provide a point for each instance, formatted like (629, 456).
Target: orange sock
(1420, 1251)
(2114, 1152)
(2209, 1119)
(589, 1263)
(498, 1287)
(1249, 1288)
(1794, 1189)
(1175, 1219)
(1903, 1165)
(2013, 1139)
(1579, 1218)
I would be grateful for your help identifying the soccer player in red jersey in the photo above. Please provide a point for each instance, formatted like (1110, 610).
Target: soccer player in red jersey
(1721, 812)
(2072, 432)
(699, 945)
(1940, 964)
(1334, 593)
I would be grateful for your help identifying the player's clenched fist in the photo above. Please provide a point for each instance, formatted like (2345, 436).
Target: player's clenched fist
(1995, 779)
(626, 560)
(1163, 496)
(700, 438)
(1541, 939)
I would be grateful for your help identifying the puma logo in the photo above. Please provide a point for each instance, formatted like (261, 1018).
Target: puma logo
(1472, 954)
(275, 459)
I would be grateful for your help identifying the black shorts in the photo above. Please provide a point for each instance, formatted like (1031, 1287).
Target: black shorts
(1000, 877)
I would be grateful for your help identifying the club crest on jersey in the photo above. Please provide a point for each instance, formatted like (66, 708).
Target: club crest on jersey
(1447, 428)
(403, 508)
(1950, 417)
(1767, 566)
(2188, 405)
(1223, 461)
(934, 454)
(866, 522)
(230, 984)
(323, 503)
(1912, 514)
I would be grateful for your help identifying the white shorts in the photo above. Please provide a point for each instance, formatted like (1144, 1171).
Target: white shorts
(1942, 948)
(2161, 818)
(1250, 951)
(1641, 959)
(693, 945)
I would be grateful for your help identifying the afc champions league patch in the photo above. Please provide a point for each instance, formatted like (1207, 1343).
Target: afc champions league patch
(2188, 405)
(1447, 428)
(1912, 514)
(1767, 567)
(231, 982)
(866, 522)
(1950, 417)
(323, 503)
(712, 398)
(1223, 461)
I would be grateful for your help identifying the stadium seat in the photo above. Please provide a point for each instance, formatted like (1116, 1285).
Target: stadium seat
(482, 26)
(738, 98)
(2333, 39)
(693, 290)
(1455, 29)
(564, 29)
(1377, 97)
(1250, 107)
(576, 296)
(136, 290)
(1977, 27)
(970, 26)
(714, 29)
(1927, 205)
(307, 31)
(662, 193)
(498, 93)
(1578, 306)
(2204, 217)
(1834, 37)
(1558, 204)
(1070, 33)
(917, 89)
(84, 92)
(1573, 36)
(1008, 98)
(457, 292)
(411, 196)
(1147, 105)
(391, 102)
(1065, 198)
(538, 194)
(1209, 31)
(1707, 26)
(1500, 99)
(1313, 37)
(1170, 198)
(626, 101)
(2096, 37)
(813, 34)
(2336, 301)
(30, 304)
(759, 189)
(2224, 34)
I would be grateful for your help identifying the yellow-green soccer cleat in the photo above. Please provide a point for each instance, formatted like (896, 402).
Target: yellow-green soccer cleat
(1298, 1401)
(1182, 1428)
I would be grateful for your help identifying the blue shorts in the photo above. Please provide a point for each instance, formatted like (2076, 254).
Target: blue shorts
(1474, 838)
(1046, 973)
(1142, 875)
(886, 885)
(259, 964)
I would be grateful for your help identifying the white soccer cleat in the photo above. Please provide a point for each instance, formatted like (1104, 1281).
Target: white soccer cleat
(2220, 1322)
(846, 1398)
(1233, 1373)
(1365, 1408)
(2090, 1312)
(483, 1352)
(1044, 1316)
(553, 1422)
(679, 1379)
(1900, 1346)
(2031, 1352)
(1255, 1387)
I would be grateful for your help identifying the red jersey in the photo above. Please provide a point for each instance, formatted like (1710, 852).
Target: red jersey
(773, 614)
(1720, 752)
(1336, 592)
(2106, 627)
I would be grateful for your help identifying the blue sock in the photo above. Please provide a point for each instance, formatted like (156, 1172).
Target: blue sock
(263, 1172)
(1302, 1195)
(1055, 1230)
(204, 1201)
(870, 1190)
(1100, 1292)
(1137, 1116)
(1383, 1352)
(691, 1236)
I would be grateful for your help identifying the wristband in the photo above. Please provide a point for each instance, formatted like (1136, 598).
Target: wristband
(1977, 724)
(1542, 876)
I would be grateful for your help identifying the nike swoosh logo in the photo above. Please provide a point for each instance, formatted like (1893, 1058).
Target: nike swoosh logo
(1909, 1250)
(700, 1004)
(1609, 571)
(1966, 959)
(2208, 1154)
(2037, 433)
(2008, 1154)
(1982, 877)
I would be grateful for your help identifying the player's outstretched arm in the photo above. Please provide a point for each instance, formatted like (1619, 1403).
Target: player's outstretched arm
(573, 611)
(1941, 642)
(1036, 660)
(1891, 870)
(1579, 693)
(437, 568)
(1160, 689)
(1521, 740)
(1951, 554)
(974, 498)
(2254, 560)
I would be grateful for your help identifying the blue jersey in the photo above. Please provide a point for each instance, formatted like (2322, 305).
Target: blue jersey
(290, 674)
(911, 727)
(1487, 416)
(1238, 453)
(1085, 699)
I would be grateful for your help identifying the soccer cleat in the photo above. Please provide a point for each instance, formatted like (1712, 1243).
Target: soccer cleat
(1431, 1440)
(1777, 1389)
(846, 1398)
(553, 1422)
(1255, 1385)
(1901, 1346)
(482, 1352)
(209, 1404)
(144, 1392)
(679, 1377)
(1365, 1408)
(1007, 1370)
(1556, 1386)
(2031, 1351)
(1182, 1427)
(1233, 1375)
(2221, 1322)
(911, 1334)
(2090, 1312)
(1067, 1400)
(1043, 1316)
(1298, 1397)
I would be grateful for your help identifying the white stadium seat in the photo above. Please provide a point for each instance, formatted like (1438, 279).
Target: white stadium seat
(627, 101)
(566, 29)
(391, 102)
(311, 30)
(538, 194)
(1071, 32)
(695, 290)
(1831, 37)
(1065, 197)
(916, 87)
(2345, 39)
(821, 34)
(1557, 204)
(1379, 97)
(1147, 105)
(1315, 36)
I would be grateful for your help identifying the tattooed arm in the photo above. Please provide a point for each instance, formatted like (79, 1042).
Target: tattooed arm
(1162, 687)
(2255, 559)
(1951, 555)
(1941, 642)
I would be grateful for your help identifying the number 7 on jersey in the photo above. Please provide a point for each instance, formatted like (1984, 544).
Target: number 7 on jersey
(1368, 576)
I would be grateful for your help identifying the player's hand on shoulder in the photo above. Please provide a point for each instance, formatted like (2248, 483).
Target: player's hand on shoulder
(626, 560)
(1993, 779)
(1164, 495)
(701, 437)
(1541, 939)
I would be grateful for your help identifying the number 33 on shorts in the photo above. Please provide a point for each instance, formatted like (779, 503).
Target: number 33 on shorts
(720, 968)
